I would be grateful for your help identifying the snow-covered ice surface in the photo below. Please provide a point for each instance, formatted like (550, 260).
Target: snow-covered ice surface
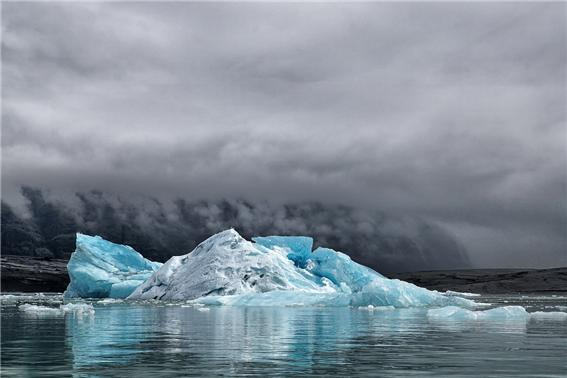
(498, 313)
(227, 264)
(100, 269)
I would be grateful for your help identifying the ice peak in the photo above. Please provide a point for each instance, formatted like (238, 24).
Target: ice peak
(224, 238)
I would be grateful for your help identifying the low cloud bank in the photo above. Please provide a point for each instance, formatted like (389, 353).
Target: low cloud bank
(160, 229)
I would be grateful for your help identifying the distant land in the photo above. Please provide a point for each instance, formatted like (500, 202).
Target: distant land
(490, 281)
(33, 274)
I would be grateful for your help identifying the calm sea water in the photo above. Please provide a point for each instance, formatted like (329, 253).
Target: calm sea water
(173, 339)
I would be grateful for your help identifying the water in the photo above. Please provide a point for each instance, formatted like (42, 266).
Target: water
(173, 339)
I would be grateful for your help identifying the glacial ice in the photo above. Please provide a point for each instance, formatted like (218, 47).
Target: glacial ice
(226, 269)
(298, 247)
(101, 269)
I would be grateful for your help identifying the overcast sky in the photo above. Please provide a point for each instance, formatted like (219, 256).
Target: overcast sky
(450, 111)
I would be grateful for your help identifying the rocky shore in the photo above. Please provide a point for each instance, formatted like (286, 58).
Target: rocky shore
(491, 281)
(33, 274)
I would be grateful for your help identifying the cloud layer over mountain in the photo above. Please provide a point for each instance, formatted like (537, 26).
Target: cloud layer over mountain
(160, 230)
(451, 112)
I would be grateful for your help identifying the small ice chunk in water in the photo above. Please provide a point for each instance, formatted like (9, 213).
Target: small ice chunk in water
(459, 313)
(498, 313)
(460, 294)
(101, 269)
(376, 308)
(40, 310)
(552, 315)
(78, 309)
(110, 301)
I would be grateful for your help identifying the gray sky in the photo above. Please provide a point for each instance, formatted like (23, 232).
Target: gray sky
(451, 111)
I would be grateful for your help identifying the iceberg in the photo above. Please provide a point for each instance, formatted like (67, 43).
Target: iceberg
(227, 269)
(101, 269)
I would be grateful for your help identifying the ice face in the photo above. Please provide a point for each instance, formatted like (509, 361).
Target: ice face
(226, 269)
(339, 268)
(298, 247)
(77, 309)
(99, 269)
(400, 294)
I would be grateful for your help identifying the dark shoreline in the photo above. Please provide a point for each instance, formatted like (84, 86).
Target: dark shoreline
(31, 274)
(491, 281)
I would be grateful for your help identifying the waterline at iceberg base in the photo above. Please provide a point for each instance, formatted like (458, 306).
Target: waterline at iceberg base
(227, 269)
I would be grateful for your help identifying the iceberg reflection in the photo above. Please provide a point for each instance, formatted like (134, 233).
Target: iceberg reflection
(131, 336)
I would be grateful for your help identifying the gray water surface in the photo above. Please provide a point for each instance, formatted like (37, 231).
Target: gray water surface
(173, 339)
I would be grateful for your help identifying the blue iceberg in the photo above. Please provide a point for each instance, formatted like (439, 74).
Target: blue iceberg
(227, 269)
(101, 269)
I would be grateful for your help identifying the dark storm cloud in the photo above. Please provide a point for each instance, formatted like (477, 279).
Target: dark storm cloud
(450, 111)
